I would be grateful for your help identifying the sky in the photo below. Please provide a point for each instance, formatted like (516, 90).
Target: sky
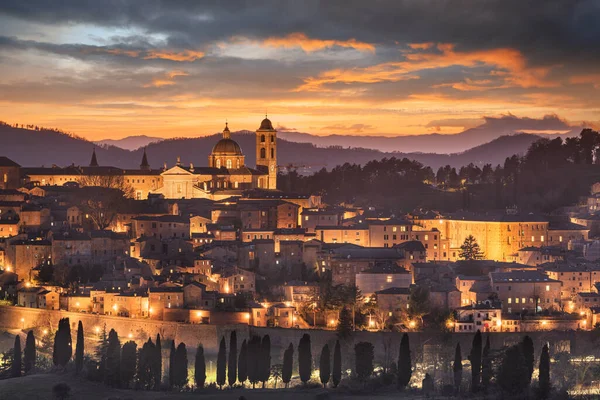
(114, 68)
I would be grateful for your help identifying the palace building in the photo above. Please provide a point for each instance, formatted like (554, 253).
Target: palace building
(226, 174)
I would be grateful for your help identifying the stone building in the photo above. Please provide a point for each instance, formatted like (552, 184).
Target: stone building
(526, 290)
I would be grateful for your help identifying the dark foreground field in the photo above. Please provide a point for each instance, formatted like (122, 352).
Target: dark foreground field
(39, 387)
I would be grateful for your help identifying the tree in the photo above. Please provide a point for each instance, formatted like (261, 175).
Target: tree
(29, 355)
(16, 361)
(172, 364)
(146, 360)
(544, 373)
(418, 302)
(200, 368)
(512, 377)
(344, 327)
(529, 354)
(63, 348)
(475, 359)
(304, 358)
(128, 362)
(404, 363)
(113, 360)
(325, 365)
(265, 359)
(102, 199)
(221, 363)
(243, 363)
(364, 355)
(254, 360)
(486, 366)
(101, 351)
(232, 363)
(157, 363)
(288, 363)
(337, 365)
(79, 349)
(181, 367)
(470, 250)
(457, 367)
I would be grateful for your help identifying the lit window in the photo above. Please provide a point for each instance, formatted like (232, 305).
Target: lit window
(510, 300)
(541, 238)
(547, 288)
(389, 279)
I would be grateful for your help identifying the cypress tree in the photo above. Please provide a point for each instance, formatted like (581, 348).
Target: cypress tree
(344, 326)
(265, 359)
(145, 370)
(243, 363)
(304, 358)
(529, 354)
(29, 355)
(512, 377)
(364, 355)
(181, 366)
(232, 362)
(16, 361)
(458, 369)
(79, 349)
(113, 360)
(171, 364)
(404, 363)
(325, 366)
(486, 365)
(288, 363)
(221, 363)
(157, 363)
(128, 362)
(254, 360)
(63, 348)
(101, 350)
(475, 359)
(337, 365)
(200, 368)
(544, 373)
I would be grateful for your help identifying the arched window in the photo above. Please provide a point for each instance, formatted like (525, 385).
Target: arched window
(272, 138)
(218, 163)
(238, 163)
(262, 138)
(263, 153)
(272, 153)
(229, 164)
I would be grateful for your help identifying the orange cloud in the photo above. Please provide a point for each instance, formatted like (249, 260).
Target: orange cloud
(307, 44)
(593, 79)
(511, 63)
(421, 46)
(166, 79)
(184, 55)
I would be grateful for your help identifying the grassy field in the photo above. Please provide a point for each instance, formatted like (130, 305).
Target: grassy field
(39, 387)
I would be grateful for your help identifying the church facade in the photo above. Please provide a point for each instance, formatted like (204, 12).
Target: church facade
(226, 174)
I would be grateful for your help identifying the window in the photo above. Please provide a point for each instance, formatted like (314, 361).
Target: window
(263, 153)
(229, 164)
(218, 164)
(272, 138)
(388, 279)
(262, 138)
(272, 153)
(547, 288)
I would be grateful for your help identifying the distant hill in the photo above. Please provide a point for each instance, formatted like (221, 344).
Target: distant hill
(45, 147)
(129, 142)
(491, 129)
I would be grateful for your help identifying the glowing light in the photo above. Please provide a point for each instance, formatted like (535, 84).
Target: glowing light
(8, 269)
(332, 322)
(45, 332)
(247, 316)
(371, 323)
(584, 322)
(412, 324)
(199, 313)
(544, 322)
(114, 307)
(130, 336)
(97, 329)
(450, 324)
(150, 310)
(77, 304)
(22, 319)
(288, 303)
(582, 313)
(28, 284)
(498, 323)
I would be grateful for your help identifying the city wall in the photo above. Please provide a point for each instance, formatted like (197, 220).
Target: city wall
(423, 344)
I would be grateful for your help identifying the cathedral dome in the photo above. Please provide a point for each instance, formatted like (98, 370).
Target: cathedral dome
(266, 125)
(227, 147)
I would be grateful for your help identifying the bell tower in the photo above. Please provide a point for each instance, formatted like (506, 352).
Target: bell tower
(266, 153)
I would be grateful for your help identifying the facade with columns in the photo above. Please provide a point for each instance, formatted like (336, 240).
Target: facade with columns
(226, 174)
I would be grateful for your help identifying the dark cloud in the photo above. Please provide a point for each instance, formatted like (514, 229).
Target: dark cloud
(546, 31)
